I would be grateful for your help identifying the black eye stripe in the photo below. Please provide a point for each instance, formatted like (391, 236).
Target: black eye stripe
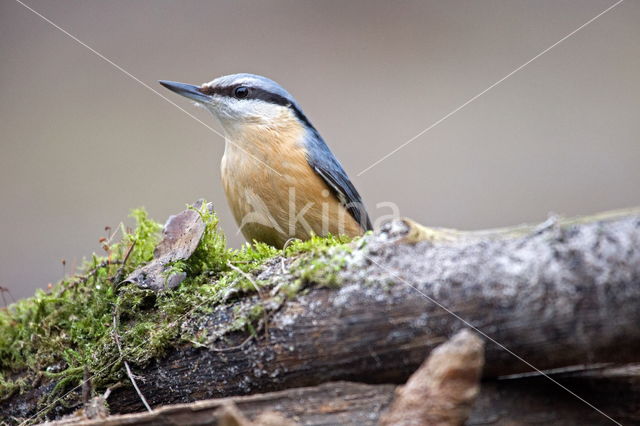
(260, 94)
(252, 93)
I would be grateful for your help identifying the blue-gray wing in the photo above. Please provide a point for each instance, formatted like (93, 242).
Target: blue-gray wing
(325, 164)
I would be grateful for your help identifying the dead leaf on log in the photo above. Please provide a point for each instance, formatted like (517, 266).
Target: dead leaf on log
(180, 238)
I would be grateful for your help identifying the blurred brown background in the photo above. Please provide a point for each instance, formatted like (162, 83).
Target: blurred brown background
(82, 143)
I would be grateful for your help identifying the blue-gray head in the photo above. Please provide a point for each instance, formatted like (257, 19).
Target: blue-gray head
(239, 99)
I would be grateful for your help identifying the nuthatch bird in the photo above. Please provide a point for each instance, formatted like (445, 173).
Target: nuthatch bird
(280, 178)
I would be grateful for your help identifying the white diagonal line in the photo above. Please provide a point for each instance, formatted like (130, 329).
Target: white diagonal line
(133, 77)
(468, 324)
(490, 87)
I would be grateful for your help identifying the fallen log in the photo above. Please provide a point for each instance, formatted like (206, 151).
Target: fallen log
(554, 296)
(559, 296)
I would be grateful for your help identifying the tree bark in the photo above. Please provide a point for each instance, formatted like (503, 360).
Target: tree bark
(555, 296)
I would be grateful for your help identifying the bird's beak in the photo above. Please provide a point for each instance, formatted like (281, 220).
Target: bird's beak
(187, 90)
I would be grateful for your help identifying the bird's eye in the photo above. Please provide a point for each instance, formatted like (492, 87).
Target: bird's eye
(241, 92)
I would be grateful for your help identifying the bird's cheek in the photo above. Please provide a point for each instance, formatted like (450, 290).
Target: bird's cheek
(222, 112)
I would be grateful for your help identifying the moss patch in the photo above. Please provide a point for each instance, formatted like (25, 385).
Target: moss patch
(317, 261)
(58, 334)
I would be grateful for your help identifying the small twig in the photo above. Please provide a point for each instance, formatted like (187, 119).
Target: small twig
(111, 236)
(107, 394)
(86, 385)
(288, 243)
(84, 278)
(120, 273)
(126, 364)
(247, 276)
(110, 389)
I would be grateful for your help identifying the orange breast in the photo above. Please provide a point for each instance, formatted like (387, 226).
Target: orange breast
(273, 192)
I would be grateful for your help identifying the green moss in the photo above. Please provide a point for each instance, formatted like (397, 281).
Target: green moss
(144, 238)
(57, 334)
(319, 261)
(9, 387)
(246, 317)
(316, 244)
